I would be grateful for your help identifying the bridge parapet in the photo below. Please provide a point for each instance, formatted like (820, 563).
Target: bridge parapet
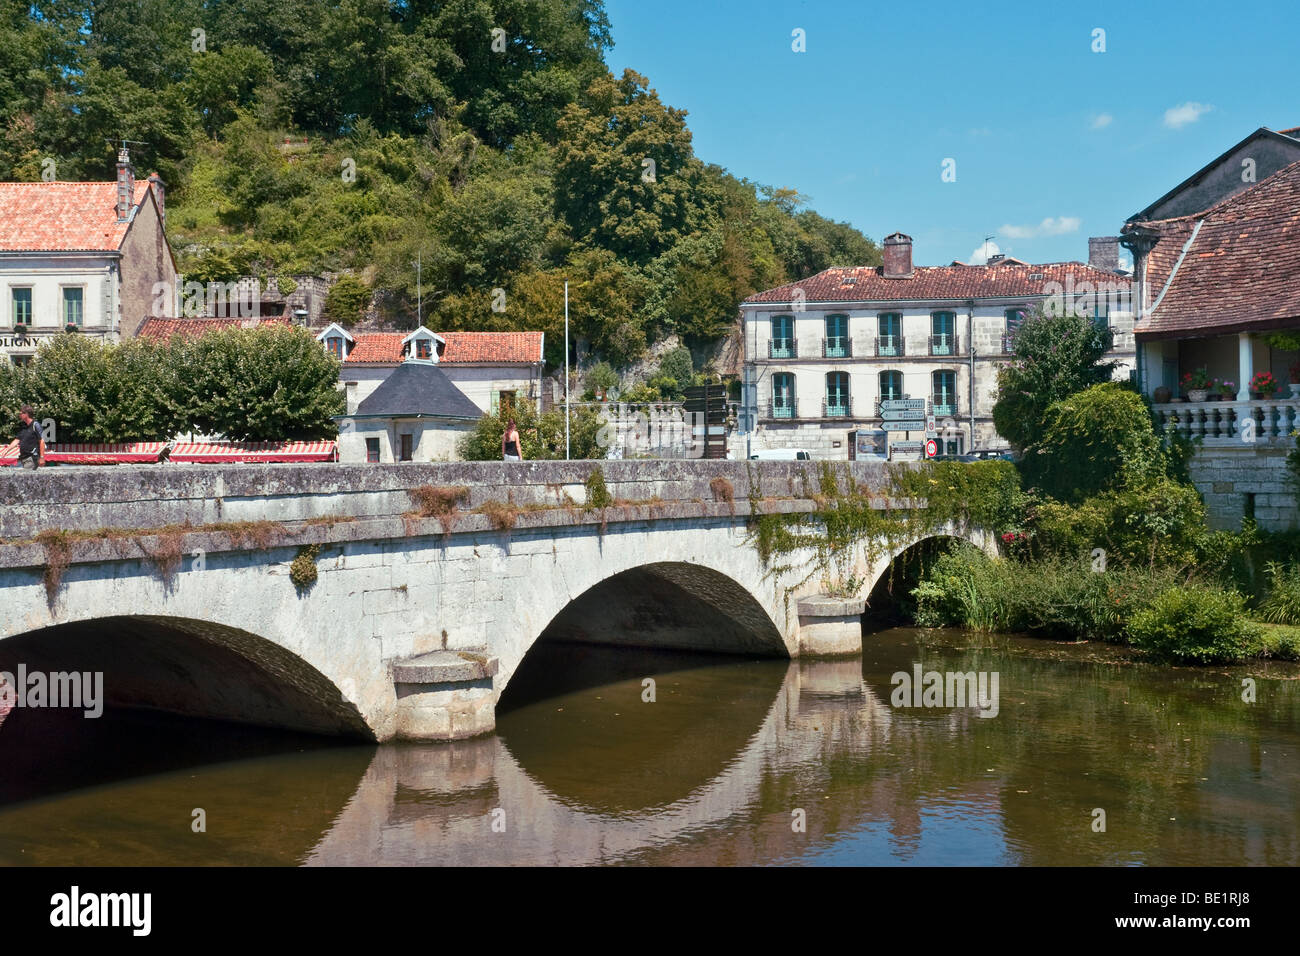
(154, 496)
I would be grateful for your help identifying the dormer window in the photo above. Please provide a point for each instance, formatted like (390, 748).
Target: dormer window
(422, 350)
(335, 345)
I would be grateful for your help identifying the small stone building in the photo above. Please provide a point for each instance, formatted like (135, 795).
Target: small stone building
(415, 414)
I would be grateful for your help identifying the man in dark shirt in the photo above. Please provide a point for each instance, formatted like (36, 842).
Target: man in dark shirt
(31, 443)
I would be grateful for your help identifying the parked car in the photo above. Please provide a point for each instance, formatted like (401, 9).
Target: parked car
(781, 454)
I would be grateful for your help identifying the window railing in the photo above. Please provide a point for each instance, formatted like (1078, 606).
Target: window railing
(836, 406)
(1008, 343)
(945, 344)
(943, 406)
(782, 348)
(781, 408)
(837, 346)
(889, 345)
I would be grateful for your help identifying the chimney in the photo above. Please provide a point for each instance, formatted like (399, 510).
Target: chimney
(995, 259)
(125, 184)
(1103, 253)
(898, 256)
(160, 195)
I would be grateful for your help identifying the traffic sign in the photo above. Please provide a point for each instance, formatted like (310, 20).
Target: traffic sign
(929, 423)
(931, 448)
(916, 425)
(904, 448)
(896, 404)
(898, 414)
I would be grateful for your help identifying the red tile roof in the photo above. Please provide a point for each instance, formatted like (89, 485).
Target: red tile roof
(164, 329)
(935, 283)
(1242, 270)
(376, 348)
(496, 348)
(63, 217)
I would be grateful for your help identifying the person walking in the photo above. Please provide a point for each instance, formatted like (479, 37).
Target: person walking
(511, 447)
(31, 443)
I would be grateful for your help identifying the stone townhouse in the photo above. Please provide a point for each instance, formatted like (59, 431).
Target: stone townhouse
(491, 369)
(1217, 261)
(82, 257)
(821, 354)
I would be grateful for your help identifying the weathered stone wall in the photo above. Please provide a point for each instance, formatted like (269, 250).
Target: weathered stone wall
(151, 496)
(1225, 477)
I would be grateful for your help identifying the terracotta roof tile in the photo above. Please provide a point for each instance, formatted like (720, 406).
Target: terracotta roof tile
(1242, 270)
(63, 217)
(164, 329)
(505, 347)
(385, 348)
(935, 283)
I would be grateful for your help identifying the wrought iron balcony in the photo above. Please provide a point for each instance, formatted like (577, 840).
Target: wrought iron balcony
(945, 345)
(836, 407)
(780, 409)
(889, 345)
(1008, 343)
(837, 346)
(782, 348)
(943, 406)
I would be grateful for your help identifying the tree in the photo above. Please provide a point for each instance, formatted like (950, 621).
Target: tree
(272, 382)
(607, 191)
(347, 300)
(1055, 356)
(1095, 440)
(541, 435)
(601, 377)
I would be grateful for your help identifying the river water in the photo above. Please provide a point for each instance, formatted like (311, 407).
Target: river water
(1090, 759)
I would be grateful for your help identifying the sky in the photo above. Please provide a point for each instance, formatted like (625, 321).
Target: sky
(1050, 142)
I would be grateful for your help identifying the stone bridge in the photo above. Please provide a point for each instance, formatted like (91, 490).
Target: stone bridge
(383, 601)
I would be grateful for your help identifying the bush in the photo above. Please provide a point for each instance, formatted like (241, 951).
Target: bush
(1194, 624)
(1282, 606)
(347, 300)
(678, 366)
(1057, 597)
(598, 495)
(1095, 440)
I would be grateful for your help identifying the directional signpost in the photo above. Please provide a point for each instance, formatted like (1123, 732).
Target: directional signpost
(904, 415)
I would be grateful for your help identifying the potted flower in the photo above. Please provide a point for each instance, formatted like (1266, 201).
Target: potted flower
(1263, 385)
(1162, 394)
(1197, 384)
(1293, 378)
(1227, 390)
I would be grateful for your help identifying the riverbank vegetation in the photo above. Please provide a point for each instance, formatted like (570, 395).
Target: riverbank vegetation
(1110, 540)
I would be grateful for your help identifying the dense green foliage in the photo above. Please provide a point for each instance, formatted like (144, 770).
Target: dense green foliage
(485, 137)
(1055, 356)
(1194, 624)
(261, 384)
(542, 435)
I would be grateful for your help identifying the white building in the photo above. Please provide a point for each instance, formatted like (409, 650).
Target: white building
(821, 354)
(81, 257)
(490, 368)
(415, 414)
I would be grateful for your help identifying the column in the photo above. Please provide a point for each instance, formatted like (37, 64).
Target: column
(1245, 366)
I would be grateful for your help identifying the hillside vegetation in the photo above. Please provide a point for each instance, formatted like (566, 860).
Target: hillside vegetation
(488, 138)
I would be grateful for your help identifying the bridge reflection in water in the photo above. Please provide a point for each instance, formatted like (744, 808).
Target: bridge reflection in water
(712, 771)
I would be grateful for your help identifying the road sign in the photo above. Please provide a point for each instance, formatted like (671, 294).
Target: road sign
(929, 423)
(904, 448)
(911, 404)
(931, 448)
(898, 414)
(917, 425)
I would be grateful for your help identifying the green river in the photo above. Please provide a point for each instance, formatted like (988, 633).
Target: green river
(733, 762)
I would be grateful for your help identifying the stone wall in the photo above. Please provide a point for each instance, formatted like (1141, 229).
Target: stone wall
(151, 496)
(1233, 480)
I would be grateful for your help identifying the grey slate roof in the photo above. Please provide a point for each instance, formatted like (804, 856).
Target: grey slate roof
(418, 389)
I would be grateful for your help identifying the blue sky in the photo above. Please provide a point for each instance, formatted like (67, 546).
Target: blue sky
(1052, 142)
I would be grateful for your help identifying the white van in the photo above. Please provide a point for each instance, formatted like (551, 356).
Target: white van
(782, 454)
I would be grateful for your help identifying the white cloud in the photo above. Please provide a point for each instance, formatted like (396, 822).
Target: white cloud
(1051, 226)
(1177, 116)
(982, 253)
(1102, 120)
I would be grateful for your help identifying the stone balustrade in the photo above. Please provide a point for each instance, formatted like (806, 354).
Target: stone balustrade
(1225, 423)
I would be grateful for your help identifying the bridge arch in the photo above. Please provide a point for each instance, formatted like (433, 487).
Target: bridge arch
(190, 667)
